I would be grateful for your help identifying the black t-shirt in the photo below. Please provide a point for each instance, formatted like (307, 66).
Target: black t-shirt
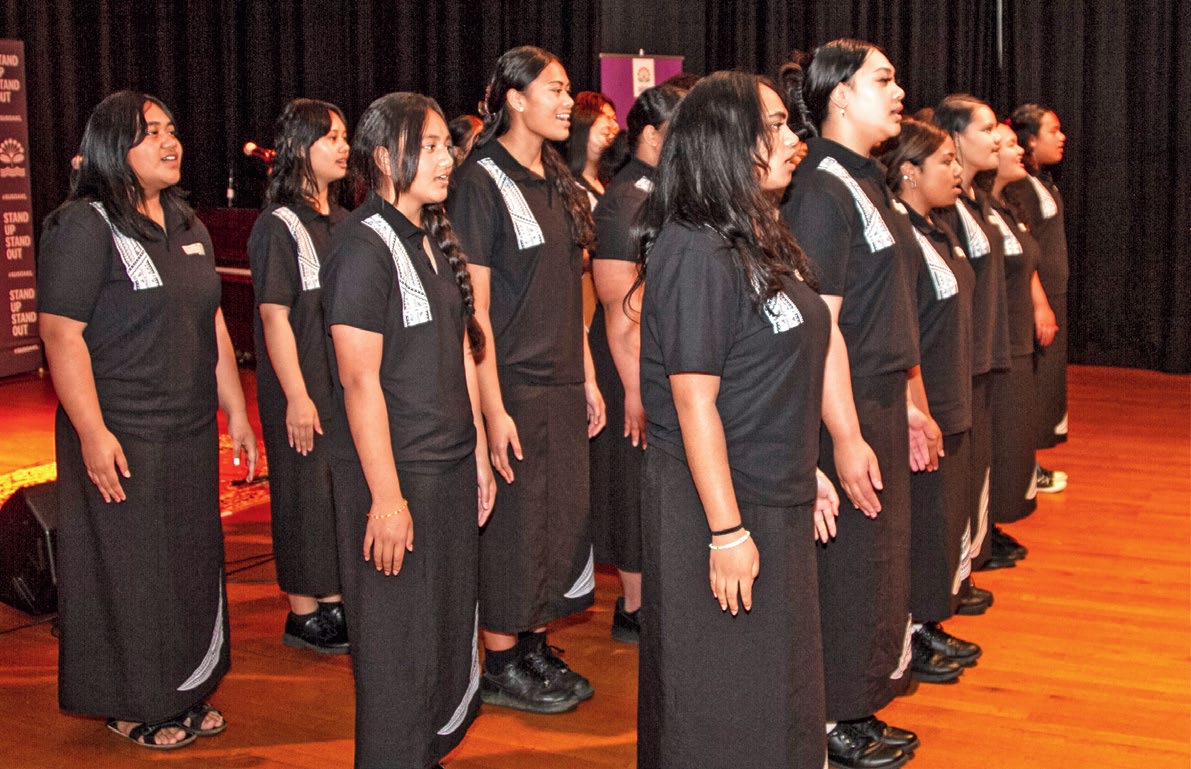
(699, 317)
(524, 237)
(971, 221)
(862, 246)
(626, 194)
(150, 310)
(1041, 208)
(421, 319)
(1021, 260)
(944, 292)
(284, 274)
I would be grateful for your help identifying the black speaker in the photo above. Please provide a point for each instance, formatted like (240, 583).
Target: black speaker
(28, 534)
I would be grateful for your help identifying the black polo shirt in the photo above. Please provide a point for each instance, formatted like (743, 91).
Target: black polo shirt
(279, 277)
(536, 292)
(1041, 209)
(1021, 260)
(990, 315)
(614, 218)
(870, 259)
(153, 349)
(421, 371)
(699, 317)
(944, 293)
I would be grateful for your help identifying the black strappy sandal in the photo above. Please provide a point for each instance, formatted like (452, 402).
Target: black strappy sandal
(145, 735)
(192, 720)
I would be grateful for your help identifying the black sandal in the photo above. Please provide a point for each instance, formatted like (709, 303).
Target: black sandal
(192, 721)
(145, 735)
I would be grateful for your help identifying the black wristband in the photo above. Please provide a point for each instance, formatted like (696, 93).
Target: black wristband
(733, 530)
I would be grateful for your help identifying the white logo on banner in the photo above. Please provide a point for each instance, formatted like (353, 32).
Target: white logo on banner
(644, 76)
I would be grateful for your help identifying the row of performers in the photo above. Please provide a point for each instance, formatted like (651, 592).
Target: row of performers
(429, 393)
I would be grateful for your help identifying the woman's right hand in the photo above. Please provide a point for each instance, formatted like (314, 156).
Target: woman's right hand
(859, 474)
(103, 456)
(301, 423)
(388, 537)
(634, 420)
(733, 571)
(502, 435)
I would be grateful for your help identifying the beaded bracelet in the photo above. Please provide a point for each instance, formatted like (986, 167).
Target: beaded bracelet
(733, 543)
(404, 508)
(733, 530)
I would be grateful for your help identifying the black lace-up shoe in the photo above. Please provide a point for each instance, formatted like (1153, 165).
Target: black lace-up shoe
(1005, 545)
(544, 661)
(933, 635)
(518, 687)
(975, 602)
(313, 631)
(876, 729)
(929, 666)
(849, 748)
(333, 615)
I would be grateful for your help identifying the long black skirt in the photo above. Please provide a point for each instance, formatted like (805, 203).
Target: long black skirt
(536, 561)
(940, 531)
(1014, 435)
(980, 466)
(717, 691)
(1050, 381)
(302, 513)
(864, 573)
(615, 467)
(141, 600)
(414, 653)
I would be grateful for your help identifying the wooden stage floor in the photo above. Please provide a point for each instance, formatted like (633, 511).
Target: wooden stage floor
(1087, 652)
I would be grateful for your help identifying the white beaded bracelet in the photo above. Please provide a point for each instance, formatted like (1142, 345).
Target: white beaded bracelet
(733, 543)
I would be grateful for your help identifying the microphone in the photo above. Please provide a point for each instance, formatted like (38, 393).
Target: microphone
(254, 150)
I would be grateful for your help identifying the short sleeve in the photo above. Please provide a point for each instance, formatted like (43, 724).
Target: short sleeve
(273, 258)
(822, 225)
(696, 296)
(74, 262)
(614, 223)
(475, 216)
(357, 280)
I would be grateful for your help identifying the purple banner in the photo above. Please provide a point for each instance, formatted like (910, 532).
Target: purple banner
(623, 76)
(20, 350)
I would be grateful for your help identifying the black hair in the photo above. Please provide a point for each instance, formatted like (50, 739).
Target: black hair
(589, 105)
(516, 69)
(791, 77)
(831, 64)
(916, 142)
(395, 121)
(1026, 122)
(291, 178)
(683, 80)
(115, 126)
(654, 107)
(956, 112)
(464, 130)
(709, 175)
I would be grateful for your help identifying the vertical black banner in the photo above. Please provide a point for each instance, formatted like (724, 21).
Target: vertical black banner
(20, 350)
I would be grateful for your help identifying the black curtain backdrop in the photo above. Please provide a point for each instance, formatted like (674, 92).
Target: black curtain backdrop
(1117, 73)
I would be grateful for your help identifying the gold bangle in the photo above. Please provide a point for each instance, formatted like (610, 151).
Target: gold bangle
(404, 508)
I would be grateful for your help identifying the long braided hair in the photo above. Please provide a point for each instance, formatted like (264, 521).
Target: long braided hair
(395, 121)
(516, 69)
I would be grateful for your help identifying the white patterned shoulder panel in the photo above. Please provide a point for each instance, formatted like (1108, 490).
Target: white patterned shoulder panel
(529, 232)
(977, 240)
(1046, 201)
(307, 257)
(940, 274)
(140, 268)
(875, 232)
(415, 306)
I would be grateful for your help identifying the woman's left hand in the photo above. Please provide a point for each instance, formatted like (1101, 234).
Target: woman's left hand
(485, 486)
(243, 440)
(826, 507)
(595, 409)
(926, 440)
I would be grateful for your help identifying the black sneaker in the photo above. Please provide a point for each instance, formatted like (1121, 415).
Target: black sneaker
(542, 659)
(1006, 546)
(332, 614)
(850, 748)
(312, 631)
(518, 687)
(625, 627)
(1049, 481)
(975, 602)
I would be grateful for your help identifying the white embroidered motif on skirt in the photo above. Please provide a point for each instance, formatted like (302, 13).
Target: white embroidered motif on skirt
(140, 268)
(472, 684)
(964, 570)
(875, 232)
(977, 240)
(529, 232)
(211, 658)
(1012, 245)
(415, 307)
(307, 257)
(981, 516)
(645, 184)
(903, 663)
(1046, 201)
(940, 274)
(586, 582)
